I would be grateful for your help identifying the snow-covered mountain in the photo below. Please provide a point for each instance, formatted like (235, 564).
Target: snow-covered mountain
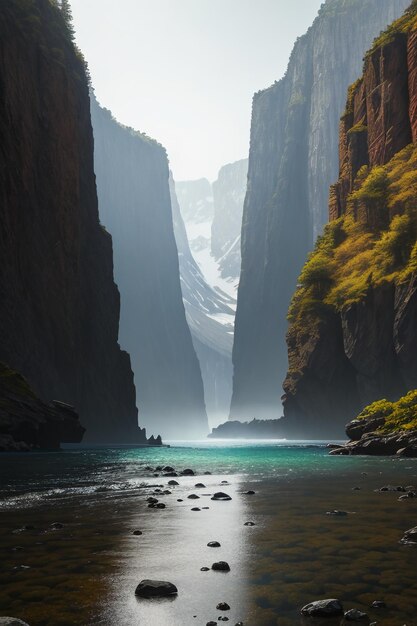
(209, 287)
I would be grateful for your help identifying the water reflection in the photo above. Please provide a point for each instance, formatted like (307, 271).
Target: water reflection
(174, 548)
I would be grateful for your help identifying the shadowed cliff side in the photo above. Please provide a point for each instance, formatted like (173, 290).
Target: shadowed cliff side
(353, 338)
(59, 306)
(27, 423)
(134, 199)
(293, 160)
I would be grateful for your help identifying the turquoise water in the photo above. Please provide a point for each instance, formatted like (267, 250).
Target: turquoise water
(41, 477)
(85, 573)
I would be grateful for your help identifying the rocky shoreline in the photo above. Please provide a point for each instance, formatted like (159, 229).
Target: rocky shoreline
(168, 493)
(366, 438)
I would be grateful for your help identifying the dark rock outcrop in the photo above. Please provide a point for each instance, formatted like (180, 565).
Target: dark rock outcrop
(293, 160)
(28, 423)
(345, 354)
(134, 202)
(59, 306)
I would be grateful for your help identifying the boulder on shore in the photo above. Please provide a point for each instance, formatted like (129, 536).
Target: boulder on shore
(323, 608)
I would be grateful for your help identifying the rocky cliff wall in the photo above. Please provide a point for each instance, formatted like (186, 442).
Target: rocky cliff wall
(293, 160)
(59, 306)
(353, 337)
(229, 192)
(135, 205)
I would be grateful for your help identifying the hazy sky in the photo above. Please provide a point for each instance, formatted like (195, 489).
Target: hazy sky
(184, 71)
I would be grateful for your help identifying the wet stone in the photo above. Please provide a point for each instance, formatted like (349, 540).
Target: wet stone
(378, 604)
(213, 544)
(220, 496)
(354, 615)
(323, 608)
(337, 513)
(410, 537)
(137, 533)
(155, 589)
(221, 566)
(223, 606)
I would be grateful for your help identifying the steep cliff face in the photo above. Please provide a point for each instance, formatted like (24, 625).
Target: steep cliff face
(27, 423)
(353, 337)
(134, 201)
(293, 160)
(229, 192)
(59, 306)
(204, 307)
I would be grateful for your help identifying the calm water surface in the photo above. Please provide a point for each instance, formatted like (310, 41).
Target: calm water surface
(86, 572)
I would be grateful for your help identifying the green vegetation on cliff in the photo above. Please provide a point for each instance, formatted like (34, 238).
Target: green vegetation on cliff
(398, 416)
(405, 24)
(372, 243)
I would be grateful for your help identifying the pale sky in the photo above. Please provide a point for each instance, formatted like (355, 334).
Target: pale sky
(185, 71)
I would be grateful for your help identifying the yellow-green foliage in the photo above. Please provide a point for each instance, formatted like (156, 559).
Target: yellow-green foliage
(406, 24)
(352, 255)
(400, 415)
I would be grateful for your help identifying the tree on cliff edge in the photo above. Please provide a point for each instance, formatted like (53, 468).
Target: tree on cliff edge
(67, 15)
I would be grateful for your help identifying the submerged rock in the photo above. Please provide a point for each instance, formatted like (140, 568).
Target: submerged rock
(354, 615)
(336, 513)
(378, 604)
(187, 472)
(173, 483)
(323, 608)
(410, 537)
(193, 496)
(137, 533)
(155, 589)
